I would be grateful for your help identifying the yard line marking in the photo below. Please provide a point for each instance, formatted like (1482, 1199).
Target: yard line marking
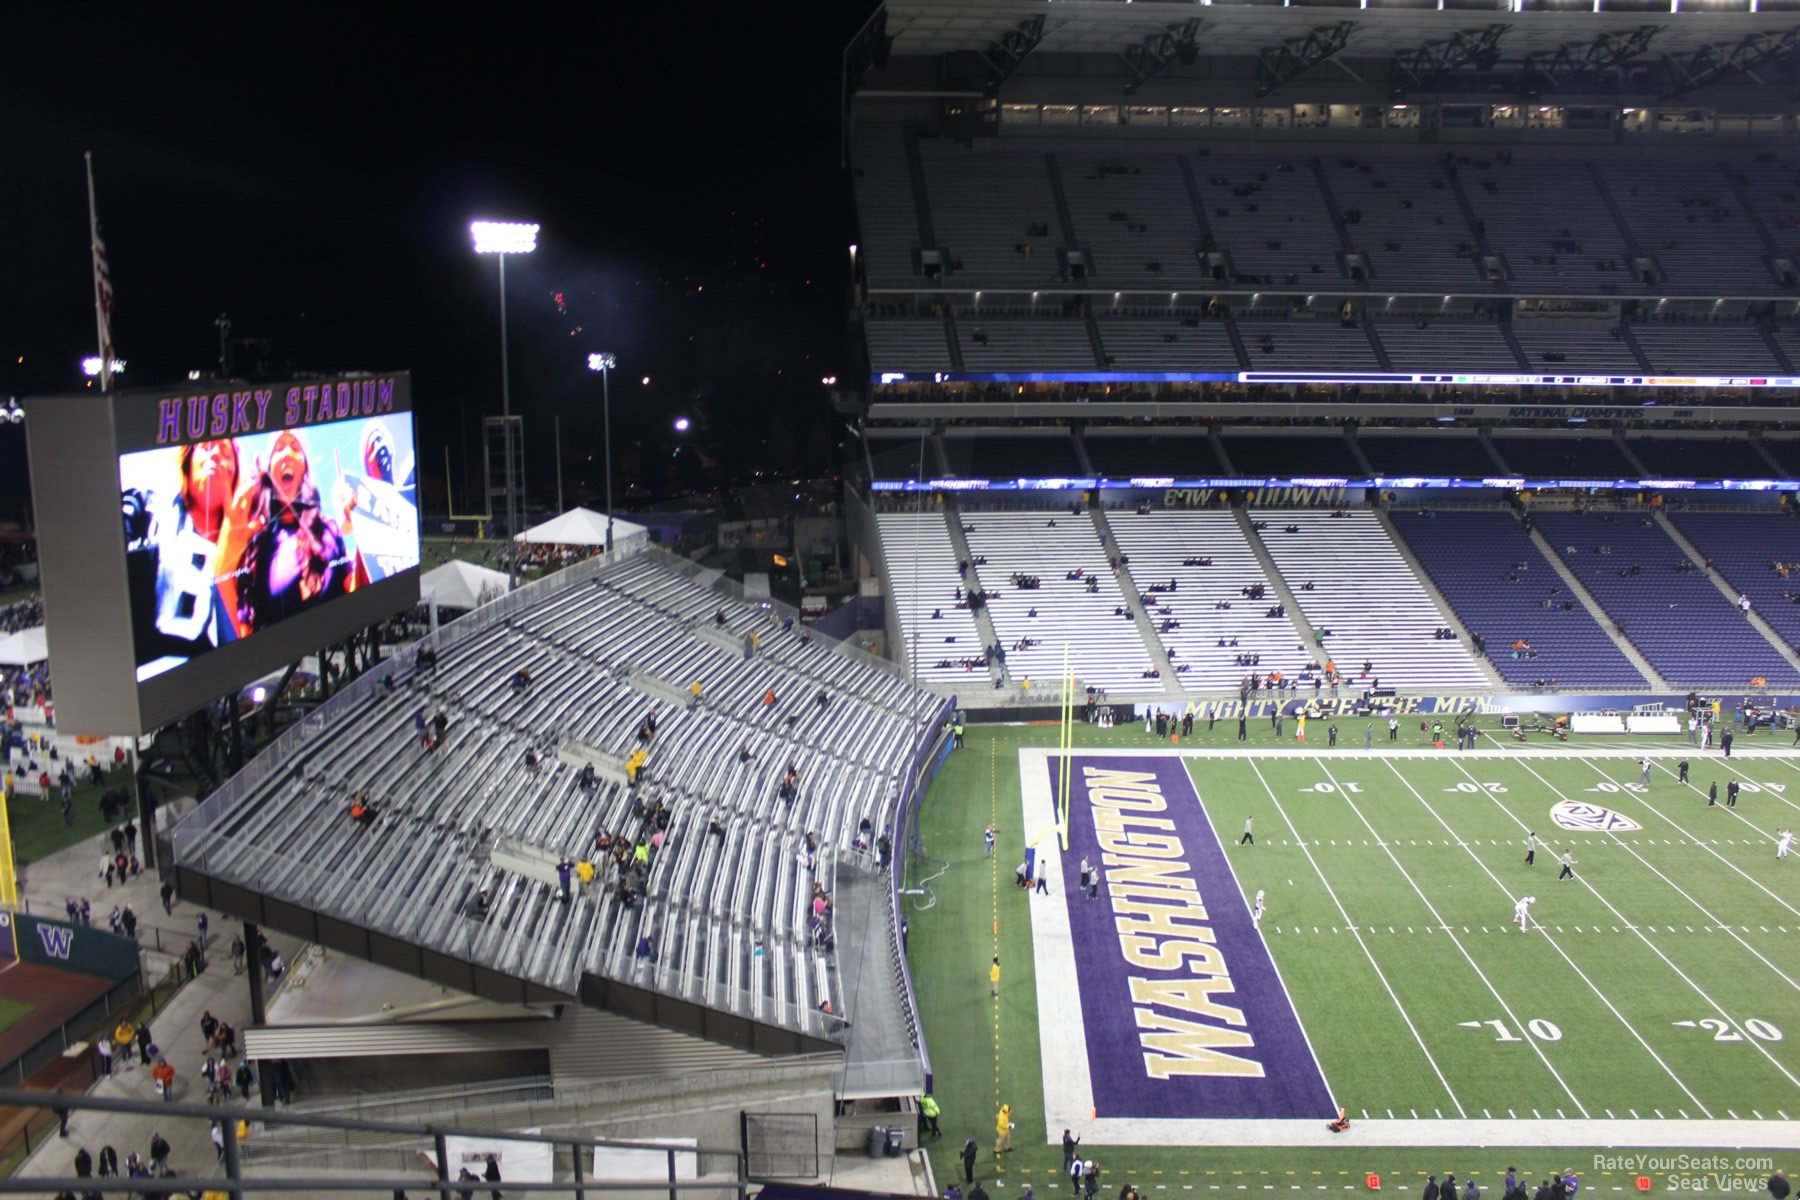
(1467, 957)
(1755, 882)
(1367, 953)
(1704, 911)
(1655, 949)
(1550, 941)
(1784, 759)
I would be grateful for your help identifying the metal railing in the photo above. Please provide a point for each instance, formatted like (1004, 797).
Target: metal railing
(571, 1156)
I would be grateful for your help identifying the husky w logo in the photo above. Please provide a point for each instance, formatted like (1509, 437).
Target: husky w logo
(1591, 818)
(57, 940)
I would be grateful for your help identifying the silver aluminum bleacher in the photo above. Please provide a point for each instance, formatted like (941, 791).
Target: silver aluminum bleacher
(1520, 226)
(1689, 219)
(1157, 544)
(1725, 347)
(908, 344)
(923, 579)
(1586, 345)
(1143, 344)
(1398, 203)
(414, 874)
(1368, 597)
(1285, 207)
(1105, 650)
(1457, 343)
(1307, 344)
(984, 198)
(1024, 343)
(884, 207)
(1138, 188)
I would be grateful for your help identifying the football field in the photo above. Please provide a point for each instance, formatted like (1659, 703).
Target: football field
(1653, 1002)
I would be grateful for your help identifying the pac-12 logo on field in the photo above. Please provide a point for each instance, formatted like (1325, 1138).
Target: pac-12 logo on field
(1591, 818)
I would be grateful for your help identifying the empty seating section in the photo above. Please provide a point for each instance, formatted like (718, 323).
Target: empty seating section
(1491, 572)
(884, 207)
(1445, 344)
(1105, 649)
(922, 577)
(1139, 455)
(1427, 454)
(1699, 457)
(997, 456)
(1771, 182)
(1551, 250)
(1166, 344)
(1158, 545)
(1745, 548)
(1133, 215)
(908, 344)
(1565, 346)
(1306, 344)
(1269, 213)
(1705, 347)
(1270, 454)
(1786, 452)
(1677, 618)
(1401, 214)
(1689, 221)
(1367, 597)
(1564, 457)
(728, 914)
(1024, 343)
(985, 201)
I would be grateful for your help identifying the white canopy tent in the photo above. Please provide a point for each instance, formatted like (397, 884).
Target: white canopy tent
(585, 527)
(25, 647)
(459, 584)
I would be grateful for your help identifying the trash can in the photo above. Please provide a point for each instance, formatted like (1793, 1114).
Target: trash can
(878, 1136)
(894, 1139)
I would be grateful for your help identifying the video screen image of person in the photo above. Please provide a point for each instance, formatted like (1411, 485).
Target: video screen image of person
(227, 537)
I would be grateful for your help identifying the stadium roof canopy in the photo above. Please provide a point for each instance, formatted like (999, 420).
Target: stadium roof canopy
(1383, 27)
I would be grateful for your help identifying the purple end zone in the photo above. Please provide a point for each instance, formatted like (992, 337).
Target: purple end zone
(1185, 1016)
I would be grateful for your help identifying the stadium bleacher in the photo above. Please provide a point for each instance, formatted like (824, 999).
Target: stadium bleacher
(1429, 452)
(1291, 454)
(1456, 343)
(1010, 456)
(1756, 554)
(728, 913)
(1668, 608)
(1368, 599)
(923, 580)
(1563, 455)
(1698, 457)
(1181, 343)
(1119, 454)
(1498, 582)
(1307, 343)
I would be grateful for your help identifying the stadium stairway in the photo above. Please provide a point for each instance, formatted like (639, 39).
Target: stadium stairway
(984, 623)
(1153, 643)
(1637, 464)
(1283, 595)
(1725, 589)
(1611, 627)
(1431, 589)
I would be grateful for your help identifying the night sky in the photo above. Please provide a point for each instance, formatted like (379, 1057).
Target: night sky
(315, 181)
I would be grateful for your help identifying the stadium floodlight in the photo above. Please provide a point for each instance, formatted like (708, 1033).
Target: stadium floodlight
(682, 424)
(503, 237)
(604, 362)
(90, 365)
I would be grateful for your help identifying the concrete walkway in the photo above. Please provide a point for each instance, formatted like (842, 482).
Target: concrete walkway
(44, 887)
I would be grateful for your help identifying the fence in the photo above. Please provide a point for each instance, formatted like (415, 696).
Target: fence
(780, 1145)
(640, 1167)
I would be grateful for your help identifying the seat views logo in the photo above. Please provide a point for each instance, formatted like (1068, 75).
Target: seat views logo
(1591, 818)
(57, 939)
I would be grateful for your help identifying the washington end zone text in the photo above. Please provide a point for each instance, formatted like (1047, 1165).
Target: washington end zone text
(1164, 928)
(234, 414)
(1183, 1014)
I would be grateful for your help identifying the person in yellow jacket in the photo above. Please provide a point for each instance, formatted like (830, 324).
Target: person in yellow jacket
(584, 871)
(994, 977)
(1003, 1129)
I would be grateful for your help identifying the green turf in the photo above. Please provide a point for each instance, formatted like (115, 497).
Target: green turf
(1445, 830)
(37, 823)
(12, 1012)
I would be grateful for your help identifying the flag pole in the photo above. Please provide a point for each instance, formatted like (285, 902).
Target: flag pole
(102, 286)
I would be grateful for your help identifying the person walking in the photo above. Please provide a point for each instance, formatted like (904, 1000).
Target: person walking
(1785, 844)
(1243, 729)
(987, 840)
(1731, 794)
(144, 1043)
(104, 1048)
(237, 954)
(994, 977)
(1094, 884)
(1644, 770)
(1681, 771)
(492, 1174)
(929, 1112)
(1567, 860)
(1531, 845)
(164, 1074)
(1712, 794)
(1725, 739)
(1393, 728)
(1249, 838)
(968, 1160)
(1368, 735)
(1003, 1125)
(956, 732)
